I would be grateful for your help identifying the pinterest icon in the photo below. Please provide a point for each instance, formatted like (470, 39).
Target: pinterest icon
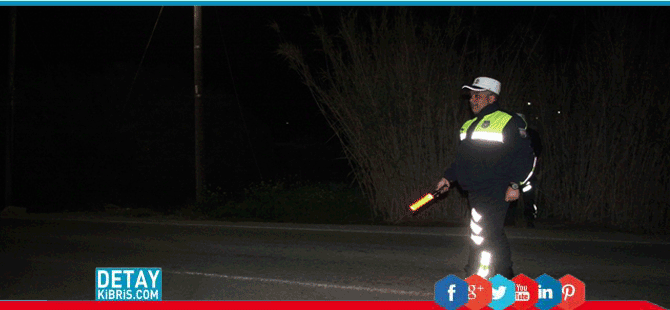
(573, 291)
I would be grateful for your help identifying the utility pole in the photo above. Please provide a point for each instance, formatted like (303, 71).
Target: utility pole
(197, 69)
(9, 153)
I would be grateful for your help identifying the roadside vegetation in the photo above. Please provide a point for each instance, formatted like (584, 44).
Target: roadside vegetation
(286, 200)
(390, 88)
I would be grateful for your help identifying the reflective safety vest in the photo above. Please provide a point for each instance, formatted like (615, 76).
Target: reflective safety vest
(490, 127)
(491, 152)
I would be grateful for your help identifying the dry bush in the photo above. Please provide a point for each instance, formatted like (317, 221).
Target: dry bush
(392, 93)
(607, 158)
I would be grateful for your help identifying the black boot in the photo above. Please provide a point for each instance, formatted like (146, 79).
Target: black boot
(529, 222)
(507, 273)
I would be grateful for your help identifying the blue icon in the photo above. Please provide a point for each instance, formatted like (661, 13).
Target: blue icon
(502, 292)
(451, 292)
(549, 292)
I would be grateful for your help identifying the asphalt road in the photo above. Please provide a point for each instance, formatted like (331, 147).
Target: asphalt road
(55, 259)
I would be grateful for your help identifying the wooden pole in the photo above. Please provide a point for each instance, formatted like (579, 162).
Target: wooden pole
(197, 69)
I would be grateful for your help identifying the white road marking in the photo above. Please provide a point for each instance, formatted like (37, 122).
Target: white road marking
(353, 230)
(311, 284)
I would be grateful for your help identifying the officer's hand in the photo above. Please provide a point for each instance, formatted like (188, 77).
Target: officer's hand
(442, 186)
(512, 194)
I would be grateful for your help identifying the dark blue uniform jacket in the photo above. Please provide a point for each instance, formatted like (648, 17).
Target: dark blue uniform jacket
(490, 166)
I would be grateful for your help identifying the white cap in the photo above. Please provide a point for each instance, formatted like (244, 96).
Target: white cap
(484, 83)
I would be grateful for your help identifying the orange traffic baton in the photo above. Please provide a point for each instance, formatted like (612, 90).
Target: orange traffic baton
(420, 205)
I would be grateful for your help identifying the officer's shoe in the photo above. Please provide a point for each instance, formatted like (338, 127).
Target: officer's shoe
(509, 273)
(530, 223)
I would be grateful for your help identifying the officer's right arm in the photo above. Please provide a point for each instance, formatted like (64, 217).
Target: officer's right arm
(450, 173)
(448, 178)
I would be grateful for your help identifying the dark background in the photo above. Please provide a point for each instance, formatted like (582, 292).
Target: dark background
(104, 116)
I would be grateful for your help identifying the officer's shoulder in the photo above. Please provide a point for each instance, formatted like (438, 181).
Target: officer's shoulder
(470, 120)
(517, 120)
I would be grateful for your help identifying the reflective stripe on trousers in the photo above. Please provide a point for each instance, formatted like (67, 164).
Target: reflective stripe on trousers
(475, 235)
(489, 248)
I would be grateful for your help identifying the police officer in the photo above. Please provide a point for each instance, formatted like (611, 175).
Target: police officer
(493, 160)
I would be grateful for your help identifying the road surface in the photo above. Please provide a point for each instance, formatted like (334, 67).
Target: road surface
(55, 259)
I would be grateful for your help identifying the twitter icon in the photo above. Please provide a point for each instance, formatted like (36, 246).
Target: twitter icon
(502, 292)
(498, 292)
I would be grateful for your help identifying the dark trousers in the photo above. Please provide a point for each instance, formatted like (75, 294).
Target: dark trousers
(529, 207)
(488, 242)
(529, 211)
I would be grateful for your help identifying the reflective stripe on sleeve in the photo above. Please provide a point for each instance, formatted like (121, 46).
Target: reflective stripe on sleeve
(531, 172)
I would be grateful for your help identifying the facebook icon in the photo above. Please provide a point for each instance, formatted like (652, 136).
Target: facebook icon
(451, 292)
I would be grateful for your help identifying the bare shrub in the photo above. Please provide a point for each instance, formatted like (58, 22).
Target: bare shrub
(607, 161)
(391, 93)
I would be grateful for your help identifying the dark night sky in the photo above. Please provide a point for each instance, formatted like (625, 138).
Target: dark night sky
(93, 38)
(91, 41)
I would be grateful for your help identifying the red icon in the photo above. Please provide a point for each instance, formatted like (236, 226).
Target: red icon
(573, 292)
(479, 292)
(525, 296)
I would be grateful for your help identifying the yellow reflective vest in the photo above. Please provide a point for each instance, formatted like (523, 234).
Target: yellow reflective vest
(493, 151)
(490, 128)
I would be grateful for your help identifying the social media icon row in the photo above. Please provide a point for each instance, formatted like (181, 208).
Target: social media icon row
(521, 292)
